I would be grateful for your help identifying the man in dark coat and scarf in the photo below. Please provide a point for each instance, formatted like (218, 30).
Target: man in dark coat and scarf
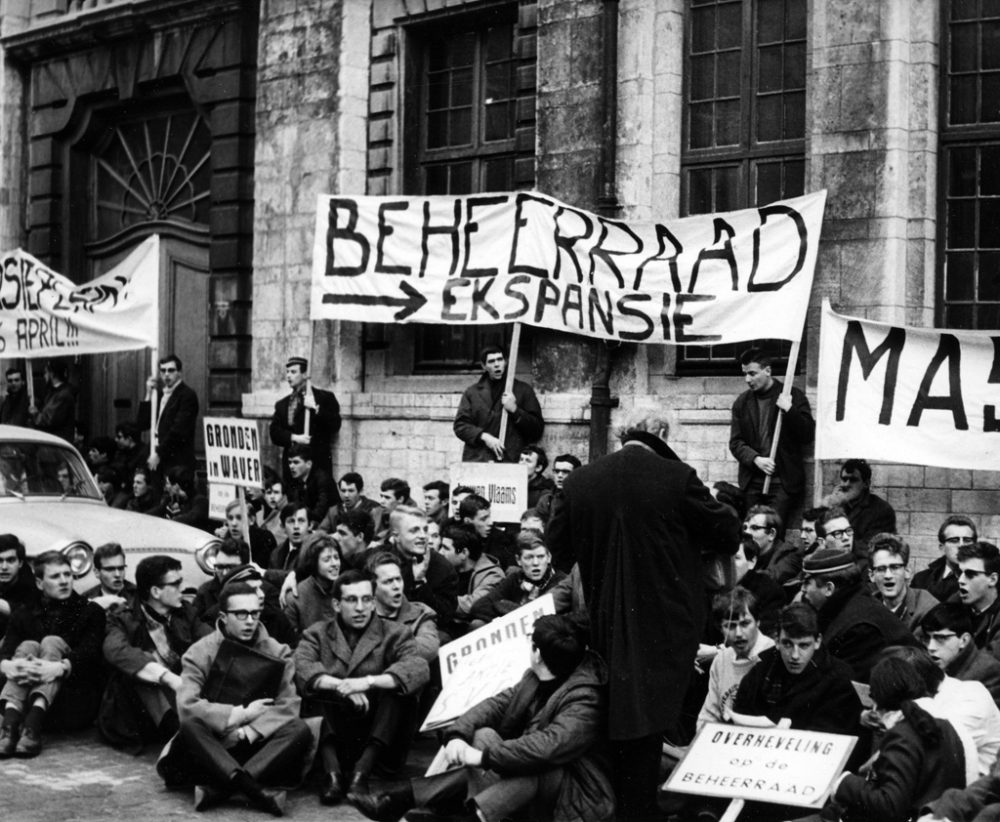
(638, 523)
(533, 751)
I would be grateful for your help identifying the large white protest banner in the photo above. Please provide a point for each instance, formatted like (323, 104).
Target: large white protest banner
(927, 396)
(44, 314)
(785, 767)
(486, 661)
(232, 452)
(526, 257)
(504, 485)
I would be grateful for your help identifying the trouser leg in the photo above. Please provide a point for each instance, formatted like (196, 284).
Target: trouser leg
(154, 701)
(391, 733)
(635, 775)
(206, 753)
(14, 695)
(507, 797)
(52, 649)
(442, 791)
(280, 753)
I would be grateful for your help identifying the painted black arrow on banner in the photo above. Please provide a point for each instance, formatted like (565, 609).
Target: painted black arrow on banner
(410, 304)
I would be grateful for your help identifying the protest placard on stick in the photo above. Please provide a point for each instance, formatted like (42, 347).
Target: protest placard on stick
(777, 765)
(486, 661)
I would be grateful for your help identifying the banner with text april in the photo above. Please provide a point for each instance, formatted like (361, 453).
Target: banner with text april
(926, 396)
(526, 257)
(44, 314)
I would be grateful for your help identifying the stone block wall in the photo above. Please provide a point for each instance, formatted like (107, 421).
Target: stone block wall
(12, 111)
(871, 142)
(298, 80)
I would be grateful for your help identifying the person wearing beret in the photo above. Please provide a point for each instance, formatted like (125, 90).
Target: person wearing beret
(856, 627)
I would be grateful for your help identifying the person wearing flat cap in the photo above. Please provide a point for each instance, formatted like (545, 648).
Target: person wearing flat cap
(856, 627)
(288, 425)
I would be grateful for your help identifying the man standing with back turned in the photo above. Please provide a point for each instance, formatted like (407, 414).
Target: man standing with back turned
(637, 522)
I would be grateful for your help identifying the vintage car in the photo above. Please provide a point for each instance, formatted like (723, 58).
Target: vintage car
(50, 501)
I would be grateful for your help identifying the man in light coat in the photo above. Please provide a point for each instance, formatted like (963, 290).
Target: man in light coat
(235, 748)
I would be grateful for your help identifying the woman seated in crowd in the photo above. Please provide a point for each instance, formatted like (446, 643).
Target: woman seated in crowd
(918, 759)
(318, 567)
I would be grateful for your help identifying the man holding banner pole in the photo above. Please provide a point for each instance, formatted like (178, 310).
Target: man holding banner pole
(175, 417)
(494, 399)
(309, 417)
(770, 454)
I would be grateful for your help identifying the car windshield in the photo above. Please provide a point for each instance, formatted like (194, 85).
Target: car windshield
(36, 469)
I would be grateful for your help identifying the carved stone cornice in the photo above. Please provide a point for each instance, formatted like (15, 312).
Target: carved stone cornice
(84, 29)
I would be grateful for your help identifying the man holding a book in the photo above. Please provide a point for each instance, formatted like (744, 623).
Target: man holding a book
(240, 730)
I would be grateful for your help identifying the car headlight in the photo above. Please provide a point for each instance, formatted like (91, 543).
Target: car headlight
(81, 558)
(205, 556)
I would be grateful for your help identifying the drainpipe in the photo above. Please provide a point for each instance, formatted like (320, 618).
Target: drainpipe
(601, 401)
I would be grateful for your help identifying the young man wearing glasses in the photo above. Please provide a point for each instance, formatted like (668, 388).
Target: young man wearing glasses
(889, 572)
(112, 588)
(143, 644)
(230, 556)
(869, 513)
(947, 632)
(941, 576)
(835, 532)
(856, 628)
(978, 571)
(780, 560)
(226, 746)
(364, 674)
(177, 417)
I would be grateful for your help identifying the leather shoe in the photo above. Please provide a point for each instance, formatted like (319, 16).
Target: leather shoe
(8, 741)
(273, 802)
(331, 792)
(205, 797)
(381, 807)
(29, 745)
(359, 784)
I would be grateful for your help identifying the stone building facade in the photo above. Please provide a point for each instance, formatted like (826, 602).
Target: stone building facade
(640, 109)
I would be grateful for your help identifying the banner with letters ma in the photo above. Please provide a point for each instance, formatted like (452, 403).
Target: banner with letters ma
(927, 396)
(44, 314)
(526, 257)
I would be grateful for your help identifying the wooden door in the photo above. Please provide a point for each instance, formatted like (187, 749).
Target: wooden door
(117, 380)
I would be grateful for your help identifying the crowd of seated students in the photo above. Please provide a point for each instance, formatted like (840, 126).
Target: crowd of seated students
(351, 601)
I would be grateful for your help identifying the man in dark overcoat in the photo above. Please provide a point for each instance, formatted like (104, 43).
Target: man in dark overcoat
(144, 642)
(637, 522)
(477, 421)
(177, 417)
(754, 415)
(533, 751)
(289, 419)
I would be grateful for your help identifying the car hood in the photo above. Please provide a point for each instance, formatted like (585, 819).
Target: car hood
(55, 523)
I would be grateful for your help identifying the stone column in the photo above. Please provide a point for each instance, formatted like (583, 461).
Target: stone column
(13, 150)
(872, 143)
(312, 86)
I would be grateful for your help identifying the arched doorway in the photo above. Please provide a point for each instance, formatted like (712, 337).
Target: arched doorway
(147, 174)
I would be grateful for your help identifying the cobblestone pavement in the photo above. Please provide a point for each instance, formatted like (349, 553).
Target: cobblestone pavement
(79, 779)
